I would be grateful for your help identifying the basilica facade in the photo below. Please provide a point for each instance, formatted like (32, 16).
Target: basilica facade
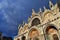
(42, 25)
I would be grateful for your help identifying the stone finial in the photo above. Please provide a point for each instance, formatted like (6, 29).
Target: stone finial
(56, 9)
(50, 4)
(23, 22)
(19, 26)
(40, 10)
(29, 19)
(45, 9)
(33, 13)
(26, 24)
(56, 5)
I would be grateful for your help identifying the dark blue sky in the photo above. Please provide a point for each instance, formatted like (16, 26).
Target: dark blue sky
(14, 12)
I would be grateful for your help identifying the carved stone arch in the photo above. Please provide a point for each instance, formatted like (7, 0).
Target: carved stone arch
(33, 33)
(45, 27)
(45, 14)
(23, 37)
(55, 37)
(50, 30)
(18, 39)
(35, 21)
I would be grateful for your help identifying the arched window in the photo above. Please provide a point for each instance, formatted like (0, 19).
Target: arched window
(51, 29)
(23, 38)
(33, 34)
(18, 39)
(52, 32)
(36, 38)
(55, 37)
(36, 21)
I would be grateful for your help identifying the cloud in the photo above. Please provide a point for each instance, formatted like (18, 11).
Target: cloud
(3, 4)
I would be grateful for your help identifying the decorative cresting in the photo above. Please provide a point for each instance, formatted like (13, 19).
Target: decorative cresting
(52, 33)
(33, 34)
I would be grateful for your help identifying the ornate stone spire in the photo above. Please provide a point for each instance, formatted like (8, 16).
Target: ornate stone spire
(56, 5)
(19, 27)
(23, 23)
(29, 19)
(33, 13)
(50, 4)
(56, 9)
(45, 9)
(40, 12)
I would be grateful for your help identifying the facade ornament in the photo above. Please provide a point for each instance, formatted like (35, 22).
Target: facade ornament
(56, 8)
(40, 10)
(40, 13)
(25, 26)
(19, 27)
(45, 9)
(23, 23)
(33, 13)
(29, 19)
(51, 4)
